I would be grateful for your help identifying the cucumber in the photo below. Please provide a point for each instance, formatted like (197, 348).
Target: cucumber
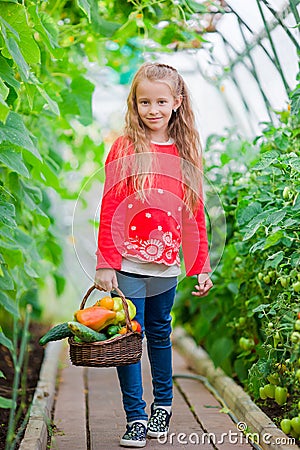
(56, 333)
(84, 333)
(76, 339)
(114, 336)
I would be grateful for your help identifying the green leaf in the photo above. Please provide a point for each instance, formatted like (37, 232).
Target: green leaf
(83, 89)
(78, 102)
(14, 131)
(15, 15)
(24, 240)
(45, 174)
(43, 218)
(221, 349)
(282, 141)
(7, 26)
(17, 56)
(4, 110)
(9, 304)
(4, 90)
(68, 104)
(104, 27)
(12, 256)
(295, 259)
(30, 271)
(7, 214)
(251, 231)
(5, 341)
(274, 260)
(2, 374)
(34, 192)
(6, 282)
(261, 307)
(259, 245)
(245, 214)
(7, 73)
(47, 29)
(60, 283)
(296, 206)
(295, 164)
(266, 160)
(273, 239)
(52, 104)
(13, 160)
(6, 403)
(86, 5)
(275, 217)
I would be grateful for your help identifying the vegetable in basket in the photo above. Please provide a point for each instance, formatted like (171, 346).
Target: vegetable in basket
(95, 317)
(56, 333)
(85, 333)
(120, 313)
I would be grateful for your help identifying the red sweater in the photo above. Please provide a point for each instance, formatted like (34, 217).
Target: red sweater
(153, 230)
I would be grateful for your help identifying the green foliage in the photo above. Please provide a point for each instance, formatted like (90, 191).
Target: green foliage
(45, 94)
(249, 319)
(45, 109)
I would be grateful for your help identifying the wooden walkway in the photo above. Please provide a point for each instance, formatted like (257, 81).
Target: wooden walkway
(88, 413)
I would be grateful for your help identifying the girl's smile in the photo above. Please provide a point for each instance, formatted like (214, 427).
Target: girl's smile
(155, 104)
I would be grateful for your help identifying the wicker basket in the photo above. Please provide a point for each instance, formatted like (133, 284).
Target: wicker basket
(120, 351)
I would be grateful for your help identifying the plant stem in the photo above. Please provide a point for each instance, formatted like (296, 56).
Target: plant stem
(255, 75)
(17, 366)
(23, 389)
(284, 27)
(277, 62)
(293, 5)
(237, 85)
(21, 430)
(257, 40)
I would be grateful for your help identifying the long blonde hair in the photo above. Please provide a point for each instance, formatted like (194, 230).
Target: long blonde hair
(181, 129)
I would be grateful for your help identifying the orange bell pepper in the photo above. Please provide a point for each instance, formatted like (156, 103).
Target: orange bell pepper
(95, 317)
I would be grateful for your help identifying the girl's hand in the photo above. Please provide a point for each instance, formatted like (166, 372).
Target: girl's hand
(106, 279)
(203, 286)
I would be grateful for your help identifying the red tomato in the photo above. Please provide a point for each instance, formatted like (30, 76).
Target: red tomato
(136, 326)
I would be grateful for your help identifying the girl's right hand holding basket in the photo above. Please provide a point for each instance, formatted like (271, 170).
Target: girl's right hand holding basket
(106, 279)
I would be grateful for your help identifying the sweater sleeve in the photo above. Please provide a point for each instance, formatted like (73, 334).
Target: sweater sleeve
(112, 216)
(195, 242)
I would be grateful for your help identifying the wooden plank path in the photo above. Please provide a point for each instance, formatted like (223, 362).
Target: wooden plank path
(88, 413)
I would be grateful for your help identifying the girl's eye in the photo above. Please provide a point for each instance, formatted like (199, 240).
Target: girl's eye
(144, 102)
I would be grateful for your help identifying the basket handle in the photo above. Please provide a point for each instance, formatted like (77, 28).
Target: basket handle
(125, 306)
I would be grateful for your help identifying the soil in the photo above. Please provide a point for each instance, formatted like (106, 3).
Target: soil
(36, 354)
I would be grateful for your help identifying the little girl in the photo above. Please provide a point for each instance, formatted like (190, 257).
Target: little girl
(152, 206)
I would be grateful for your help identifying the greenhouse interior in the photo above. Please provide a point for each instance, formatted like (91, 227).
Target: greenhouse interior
(66, 72)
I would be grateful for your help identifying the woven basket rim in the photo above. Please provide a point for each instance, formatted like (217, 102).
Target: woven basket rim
(106, 341)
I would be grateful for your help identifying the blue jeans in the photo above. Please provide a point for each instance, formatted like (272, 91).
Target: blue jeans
(153, 298)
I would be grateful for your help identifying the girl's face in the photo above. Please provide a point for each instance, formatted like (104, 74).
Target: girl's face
(155, 104)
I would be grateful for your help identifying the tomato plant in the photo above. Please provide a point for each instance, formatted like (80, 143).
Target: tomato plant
(45, 108)
(249, 322)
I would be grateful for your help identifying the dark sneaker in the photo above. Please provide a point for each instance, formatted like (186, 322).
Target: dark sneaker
(135, 436)
(158, 424)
